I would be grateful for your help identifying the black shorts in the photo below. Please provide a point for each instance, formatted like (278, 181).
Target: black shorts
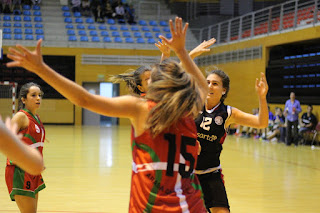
(213, 189)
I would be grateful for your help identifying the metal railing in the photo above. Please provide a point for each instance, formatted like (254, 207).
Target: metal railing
(286, 16)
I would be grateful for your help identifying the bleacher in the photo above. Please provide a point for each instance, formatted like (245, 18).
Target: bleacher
(58, 26)
(288, 16)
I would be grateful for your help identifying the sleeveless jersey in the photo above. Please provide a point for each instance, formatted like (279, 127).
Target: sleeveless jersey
(163, 178)
(34, 134)
(211, 134)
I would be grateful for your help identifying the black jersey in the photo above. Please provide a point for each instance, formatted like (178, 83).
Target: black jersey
(211, 134)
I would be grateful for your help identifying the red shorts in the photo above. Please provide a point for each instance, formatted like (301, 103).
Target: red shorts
(20, 182)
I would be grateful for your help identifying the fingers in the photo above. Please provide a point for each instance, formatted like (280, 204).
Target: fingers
(23, 49)
(15, 52)
(13, 63)
(157, 45)
(171, 27)
(38, 48)
(164, 40)
(185, 28)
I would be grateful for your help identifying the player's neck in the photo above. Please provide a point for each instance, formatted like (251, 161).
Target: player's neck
(211, 104)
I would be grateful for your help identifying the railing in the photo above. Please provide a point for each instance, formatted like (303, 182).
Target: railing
(274, 19)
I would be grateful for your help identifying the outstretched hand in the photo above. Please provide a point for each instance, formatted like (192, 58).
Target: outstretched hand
(22, 57)
(178, 40)
(202, 48)
(262, 86)
(164, 49)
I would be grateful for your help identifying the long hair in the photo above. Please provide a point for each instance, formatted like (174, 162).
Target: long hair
(225, 81)
(24, 90)
(132, 79)
(175, 93)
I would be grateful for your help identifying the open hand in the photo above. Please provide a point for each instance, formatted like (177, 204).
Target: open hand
(22, 57)
(262, 86)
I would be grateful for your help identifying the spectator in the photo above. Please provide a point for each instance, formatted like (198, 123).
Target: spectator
(308, 122)
(36, 2)
(85, 8)
(75, 5)
(292, 110)
(278, 123)
(99, 15)
(16, 7)
(108, 12)
(120, 11)
(7, 5)
(130, 13)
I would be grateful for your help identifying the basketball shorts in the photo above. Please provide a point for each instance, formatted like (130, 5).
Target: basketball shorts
(213, 189)
(20, 182)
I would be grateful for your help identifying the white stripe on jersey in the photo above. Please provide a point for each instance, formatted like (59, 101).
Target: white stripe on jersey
(36, 145)
(155, 166)
(177, 188)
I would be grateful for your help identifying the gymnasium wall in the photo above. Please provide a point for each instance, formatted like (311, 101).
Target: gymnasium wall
(242, 74)
(63, 111)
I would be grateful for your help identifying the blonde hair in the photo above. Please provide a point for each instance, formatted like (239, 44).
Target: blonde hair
(132, 79)
(175, 93)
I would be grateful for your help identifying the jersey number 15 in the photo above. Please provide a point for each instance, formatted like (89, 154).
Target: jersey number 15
(185, 141)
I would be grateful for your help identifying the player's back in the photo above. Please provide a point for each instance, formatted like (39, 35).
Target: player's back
(163, 177)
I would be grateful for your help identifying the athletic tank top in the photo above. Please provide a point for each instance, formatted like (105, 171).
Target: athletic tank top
(34, 134)
(163, 177)
(211, 134)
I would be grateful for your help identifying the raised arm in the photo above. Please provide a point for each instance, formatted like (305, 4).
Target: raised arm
(177, 44)
(27, 158)
(245, 119)
(32, 60)
(202, 48)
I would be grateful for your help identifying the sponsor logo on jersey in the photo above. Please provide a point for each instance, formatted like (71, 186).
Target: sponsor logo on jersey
(218, 120)
(37, 128)
(207, 137)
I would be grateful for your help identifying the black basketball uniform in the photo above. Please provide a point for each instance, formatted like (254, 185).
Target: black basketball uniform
(211, 134)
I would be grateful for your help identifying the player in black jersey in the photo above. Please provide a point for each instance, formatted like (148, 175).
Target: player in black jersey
(212, 124)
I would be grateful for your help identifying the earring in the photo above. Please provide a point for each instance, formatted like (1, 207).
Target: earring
(223, 93)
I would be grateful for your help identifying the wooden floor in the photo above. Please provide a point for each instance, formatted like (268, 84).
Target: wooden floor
(89, 169)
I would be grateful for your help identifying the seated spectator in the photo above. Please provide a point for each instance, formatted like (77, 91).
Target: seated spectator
(85, 8)
(308, 122)
(75, 5)
(278, 123)
(16, 7)
(36, 2)
(7, 6)
(99, 15)
(108, 12)
(130, 13)
(120, 11)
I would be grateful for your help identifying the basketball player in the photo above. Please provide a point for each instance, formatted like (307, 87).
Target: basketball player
(26, 157)
(212, 125)
(164, 148)
(22, 186)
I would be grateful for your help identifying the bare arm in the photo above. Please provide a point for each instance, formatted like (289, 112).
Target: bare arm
(116, 107)
(245, 119)
(177, 44)
(27, 158)
(202, 48)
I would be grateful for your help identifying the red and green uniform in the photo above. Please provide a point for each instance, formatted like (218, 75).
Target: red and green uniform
(18, 181)
(163, 178)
